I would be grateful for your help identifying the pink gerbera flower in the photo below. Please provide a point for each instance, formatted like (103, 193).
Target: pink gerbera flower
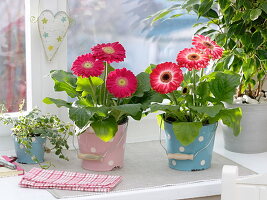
(192, 59)
(166, 77)
(110, 52)
(86, 65)
(208, 45)
(121, 83)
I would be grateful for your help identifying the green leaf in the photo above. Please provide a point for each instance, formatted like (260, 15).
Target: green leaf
(255, 13)
(175, 16)
(80, 116)
(262, 54)
(204, 7)
(105, 129)
(223, 86)
(161, 15)
(150, 68)
(203, 90)
(211, 111)
(186, 132)
(211, 13)
(143, 84)
(228, 61)
(129, 109)
(231, 118)
(64, 81)
(59, 103)
(264, 7)
(224, 4)
(83, 84)
(257, 39)
(174, 110)
(189, 3)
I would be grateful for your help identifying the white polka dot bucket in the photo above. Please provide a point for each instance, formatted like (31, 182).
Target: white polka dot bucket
(195, 156)
(98, 155)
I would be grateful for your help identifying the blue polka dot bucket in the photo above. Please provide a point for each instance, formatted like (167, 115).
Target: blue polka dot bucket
(195, 156)
(37, 151)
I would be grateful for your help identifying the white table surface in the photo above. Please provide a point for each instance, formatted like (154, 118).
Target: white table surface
(9, 189)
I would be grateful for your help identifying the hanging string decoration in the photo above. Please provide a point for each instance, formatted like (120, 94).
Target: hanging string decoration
(52, 29)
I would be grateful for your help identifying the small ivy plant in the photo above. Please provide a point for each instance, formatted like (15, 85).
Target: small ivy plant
(34, 124)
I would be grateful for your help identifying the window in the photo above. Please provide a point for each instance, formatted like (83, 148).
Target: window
(102, 21)
(12, 54)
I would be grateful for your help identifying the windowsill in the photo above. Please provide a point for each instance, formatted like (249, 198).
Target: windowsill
(192, 190)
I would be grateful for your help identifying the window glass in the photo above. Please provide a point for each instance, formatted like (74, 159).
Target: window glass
(103, 21)
(12, 54)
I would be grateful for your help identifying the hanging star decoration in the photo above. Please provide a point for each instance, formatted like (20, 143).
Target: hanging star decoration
(63, 19)
(45, 34)
(44, 20)
(50, 48)
(59, 39)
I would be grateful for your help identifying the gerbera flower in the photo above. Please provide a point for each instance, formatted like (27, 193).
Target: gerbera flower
(166, 77)
(192, 59)
(110, 52)
(86, 65)
(121, 83)
(208, 45)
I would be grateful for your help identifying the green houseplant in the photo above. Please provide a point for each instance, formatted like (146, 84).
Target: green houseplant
(31, 130)
(240, 27)
(104, 99)
(190, 119)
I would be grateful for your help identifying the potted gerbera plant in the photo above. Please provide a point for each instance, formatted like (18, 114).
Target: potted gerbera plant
(104, 99)
(240, 28)
(190, 119)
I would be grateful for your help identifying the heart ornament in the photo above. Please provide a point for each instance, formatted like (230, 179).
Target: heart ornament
(52, 29)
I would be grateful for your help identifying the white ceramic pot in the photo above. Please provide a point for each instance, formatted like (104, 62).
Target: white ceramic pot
(253, 135)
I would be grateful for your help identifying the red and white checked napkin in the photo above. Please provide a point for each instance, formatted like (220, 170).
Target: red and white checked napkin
(63, 180)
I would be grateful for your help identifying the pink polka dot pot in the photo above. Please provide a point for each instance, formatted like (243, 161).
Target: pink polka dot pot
(97, 155)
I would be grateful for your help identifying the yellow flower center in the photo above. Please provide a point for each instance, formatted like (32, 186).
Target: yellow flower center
(122, 82)
(166, 77)
(208, 44)
(88, 64)
(193, 56)
(108, 50)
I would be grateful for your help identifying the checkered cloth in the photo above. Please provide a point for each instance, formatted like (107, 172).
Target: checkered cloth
(63, 180)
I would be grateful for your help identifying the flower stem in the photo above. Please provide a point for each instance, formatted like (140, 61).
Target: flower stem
(93, 91)
(105, 80)
(174, 98)
(194, 88)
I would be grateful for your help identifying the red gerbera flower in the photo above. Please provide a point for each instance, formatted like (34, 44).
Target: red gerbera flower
(208, 45)
(86, 65)
(166, 77)
(192, 59)
(121, 83)
(110, 52)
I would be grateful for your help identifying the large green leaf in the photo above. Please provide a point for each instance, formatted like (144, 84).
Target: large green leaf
(224, 4)
(186, 132)
(105, 129)
(231, 118)
(80, 116)
(223, 86)
(150, 68)
(64, 81)
(203, 90)
(175, 110)
(264, 7)
(211, 111)
(58, 102)
(143, 84)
